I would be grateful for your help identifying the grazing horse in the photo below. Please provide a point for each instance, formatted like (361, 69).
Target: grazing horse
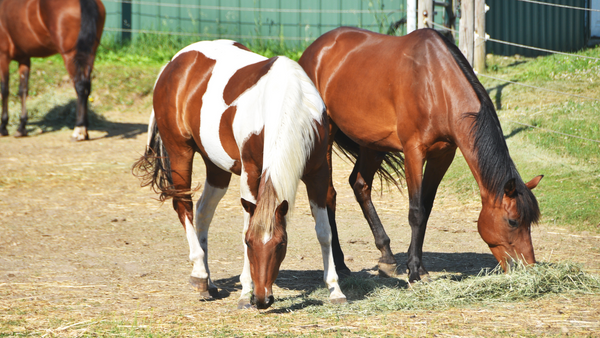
(417, 95)
(262, 119)
(40, 28)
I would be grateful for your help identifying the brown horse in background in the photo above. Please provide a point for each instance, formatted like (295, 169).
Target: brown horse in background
(40, 28)
(418, 95)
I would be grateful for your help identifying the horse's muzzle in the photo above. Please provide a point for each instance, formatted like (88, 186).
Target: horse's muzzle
(262, 303)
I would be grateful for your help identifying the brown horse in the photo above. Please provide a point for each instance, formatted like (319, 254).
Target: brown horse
(40, 28)
(259, 118)
(417, 95)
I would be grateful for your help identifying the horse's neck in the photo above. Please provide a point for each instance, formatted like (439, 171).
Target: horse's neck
(481, 141)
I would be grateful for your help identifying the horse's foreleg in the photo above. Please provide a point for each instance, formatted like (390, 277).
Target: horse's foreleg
(338, 254)
(23, 92)
(361, 181)
(198, 239)
(248, 191)
(422, 188)
(434, 172)
(4, 90)
(317, 196)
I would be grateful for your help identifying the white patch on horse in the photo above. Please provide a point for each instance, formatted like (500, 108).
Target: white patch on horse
(287, 104)
(196, 252)
(323, 230)
(267, 237)
(229, 59)
(245, 276)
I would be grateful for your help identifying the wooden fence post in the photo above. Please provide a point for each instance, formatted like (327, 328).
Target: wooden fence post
(466, 33)
(479, 42)
(425, 9)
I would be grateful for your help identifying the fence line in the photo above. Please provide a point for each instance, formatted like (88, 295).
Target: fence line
(538, 49)
(552, 131)
(559, 5)
(253, 9)
(487, 38)
(540, 88)
(219, 36)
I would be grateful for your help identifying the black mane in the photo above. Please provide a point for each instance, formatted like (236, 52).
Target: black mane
(495, 164)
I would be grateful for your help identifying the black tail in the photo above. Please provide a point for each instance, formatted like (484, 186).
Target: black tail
(87, 33)
(154, 167)
(391, 169)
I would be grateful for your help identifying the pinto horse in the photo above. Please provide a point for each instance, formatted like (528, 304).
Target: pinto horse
(40, 28)
(417, 95)
(262, 119)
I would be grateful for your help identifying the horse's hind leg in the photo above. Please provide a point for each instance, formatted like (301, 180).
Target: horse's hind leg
(4, 61)
(83, 87)
(215, 188)
(361, 181)
(317, 197)
(24, 66)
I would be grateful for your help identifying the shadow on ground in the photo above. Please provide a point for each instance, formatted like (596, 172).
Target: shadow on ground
(63, 116)
(361, 283)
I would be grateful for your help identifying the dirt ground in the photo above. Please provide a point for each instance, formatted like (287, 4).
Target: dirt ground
(85, 250)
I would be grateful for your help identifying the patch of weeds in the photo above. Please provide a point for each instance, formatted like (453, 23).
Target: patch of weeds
(520, 284)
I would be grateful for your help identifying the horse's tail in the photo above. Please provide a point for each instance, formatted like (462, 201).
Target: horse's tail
(90, 14)
(154, 167)
(390, 170)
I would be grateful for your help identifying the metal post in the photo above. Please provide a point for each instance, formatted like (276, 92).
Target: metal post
(479, 43)
(411, 15)
(126, 22)
(467, 25)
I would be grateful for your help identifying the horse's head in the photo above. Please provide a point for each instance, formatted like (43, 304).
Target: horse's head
(505, 224)
(266, 250)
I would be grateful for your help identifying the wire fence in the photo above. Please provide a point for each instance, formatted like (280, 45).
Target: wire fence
(487, 38)
(305, 25)
(560, 6)
(294, 23)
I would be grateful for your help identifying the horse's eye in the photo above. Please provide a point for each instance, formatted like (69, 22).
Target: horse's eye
(513, 223)
(281, 245)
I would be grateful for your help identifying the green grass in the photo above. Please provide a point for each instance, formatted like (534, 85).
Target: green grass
(158, 49)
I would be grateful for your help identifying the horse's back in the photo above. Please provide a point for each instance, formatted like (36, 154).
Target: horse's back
(381, 90)
(194, 94)
(227, 99)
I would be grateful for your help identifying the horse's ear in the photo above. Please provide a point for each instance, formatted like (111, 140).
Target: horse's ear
(534, 182)
(510, 187)
(282, 209)
(249, 207)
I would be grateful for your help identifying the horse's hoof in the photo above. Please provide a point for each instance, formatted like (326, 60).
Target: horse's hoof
(341, 300)
(21, 133)
(80, 134)
(3, 132)
(389, 270)
(245, 304)
(426, 279)
(80, 138)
